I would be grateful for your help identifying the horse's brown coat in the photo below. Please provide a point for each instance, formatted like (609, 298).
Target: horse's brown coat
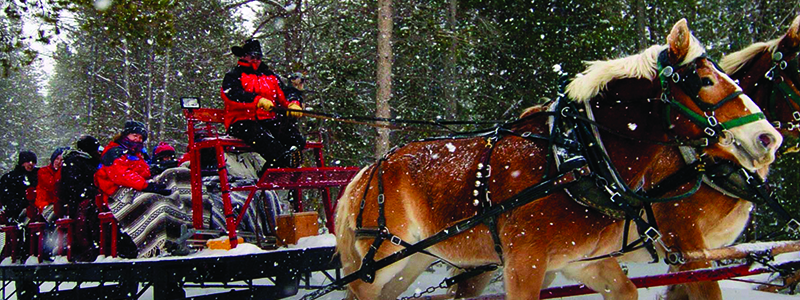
(429, 185)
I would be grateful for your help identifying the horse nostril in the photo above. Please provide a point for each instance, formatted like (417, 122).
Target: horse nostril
(766, 139)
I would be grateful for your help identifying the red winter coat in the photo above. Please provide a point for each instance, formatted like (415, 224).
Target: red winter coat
(47, 186)
(120, 169)
(242, 85)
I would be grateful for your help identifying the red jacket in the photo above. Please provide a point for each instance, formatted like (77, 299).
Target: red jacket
(242, 85)
(121, 169)
(47, 186)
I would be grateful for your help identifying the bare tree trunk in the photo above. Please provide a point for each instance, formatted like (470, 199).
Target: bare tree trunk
(93, 72)
(150, 95)
(637, 6)
(384, 74)
(126, 78)
(164, 95)
(451, 76)
(292, 38)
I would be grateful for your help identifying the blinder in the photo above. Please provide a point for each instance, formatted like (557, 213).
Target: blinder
(689, 81)
(779, 85)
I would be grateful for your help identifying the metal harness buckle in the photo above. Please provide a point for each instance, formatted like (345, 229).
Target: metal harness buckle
(395, 240)
(652, 234)
(712, 120)
(746, 175)
(793, 226)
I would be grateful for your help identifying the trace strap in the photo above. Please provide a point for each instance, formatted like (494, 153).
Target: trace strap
(542, 189)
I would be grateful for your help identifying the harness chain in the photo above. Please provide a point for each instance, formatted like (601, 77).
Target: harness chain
(542, 189)
(564, 180)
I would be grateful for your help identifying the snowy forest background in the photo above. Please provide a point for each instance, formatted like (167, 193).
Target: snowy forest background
(452, 60)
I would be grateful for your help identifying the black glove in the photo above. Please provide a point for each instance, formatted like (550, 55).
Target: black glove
(158, 188)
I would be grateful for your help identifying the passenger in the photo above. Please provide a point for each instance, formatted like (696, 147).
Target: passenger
(15, 186)
(76, 196)
(296, 88)
(123, 165)
(49, 178)
(294, 92)
(77, 175)
(250, 92)
(163, 159)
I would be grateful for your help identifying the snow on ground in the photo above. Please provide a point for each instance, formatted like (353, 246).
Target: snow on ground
(731, 290)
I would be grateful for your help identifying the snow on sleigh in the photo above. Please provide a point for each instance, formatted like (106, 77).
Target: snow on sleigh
(222, 230)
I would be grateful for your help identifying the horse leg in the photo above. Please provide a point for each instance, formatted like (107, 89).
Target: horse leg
(415, 265)
(549, 277)
(470, 287)
(705, 290)
(523, 274)
(605, 277)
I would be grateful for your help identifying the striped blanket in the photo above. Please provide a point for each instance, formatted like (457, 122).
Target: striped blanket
(152, 219)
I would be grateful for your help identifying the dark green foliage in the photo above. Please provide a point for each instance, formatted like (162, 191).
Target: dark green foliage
(492, 60)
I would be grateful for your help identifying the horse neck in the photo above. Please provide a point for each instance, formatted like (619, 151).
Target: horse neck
(754, 83)
(751, 75)
(640, 121)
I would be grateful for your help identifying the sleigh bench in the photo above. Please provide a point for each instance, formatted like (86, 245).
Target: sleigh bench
(204, 126)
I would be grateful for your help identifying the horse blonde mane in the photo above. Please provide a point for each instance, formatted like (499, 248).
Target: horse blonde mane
(643, 65)
(733, 62)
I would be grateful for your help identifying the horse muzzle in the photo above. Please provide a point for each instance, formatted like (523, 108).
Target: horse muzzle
(754, 145)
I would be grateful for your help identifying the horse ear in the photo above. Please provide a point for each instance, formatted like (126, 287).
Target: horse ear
(792, 38)
(679, 39)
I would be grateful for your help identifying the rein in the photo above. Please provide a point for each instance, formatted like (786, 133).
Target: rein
(596, 174)
(390, 123)
(599, 161)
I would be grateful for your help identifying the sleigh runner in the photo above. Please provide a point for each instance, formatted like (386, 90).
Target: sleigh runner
(502, 181)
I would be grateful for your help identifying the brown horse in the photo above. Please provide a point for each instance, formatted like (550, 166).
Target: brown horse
(428, 186)
(768, 72)
(723, 217)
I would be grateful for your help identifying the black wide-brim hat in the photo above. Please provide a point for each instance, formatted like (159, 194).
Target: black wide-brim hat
(250, 47)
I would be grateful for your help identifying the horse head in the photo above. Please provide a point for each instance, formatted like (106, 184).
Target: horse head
(769, 73)
(692, 100)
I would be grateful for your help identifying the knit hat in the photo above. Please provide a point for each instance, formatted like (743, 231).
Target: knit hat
(26, 156)
(163, 150)
(250, 47)
(135, 127)
(88, 144)
(57, 152)
(297, 75)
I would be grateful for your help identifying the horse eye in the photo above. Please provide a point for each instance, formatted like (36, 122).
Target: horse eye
(707, 81)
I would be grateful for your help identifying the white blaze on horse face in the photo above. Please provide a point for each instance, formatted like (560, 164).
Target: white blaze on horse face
(754, 145)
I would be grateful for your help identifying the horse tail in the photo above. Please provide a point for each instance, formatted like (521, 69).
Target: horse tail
(345, 224)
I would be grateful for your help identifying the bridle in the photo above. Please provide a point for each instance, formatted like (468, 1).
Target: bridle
(780, 67)
(689, 81)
